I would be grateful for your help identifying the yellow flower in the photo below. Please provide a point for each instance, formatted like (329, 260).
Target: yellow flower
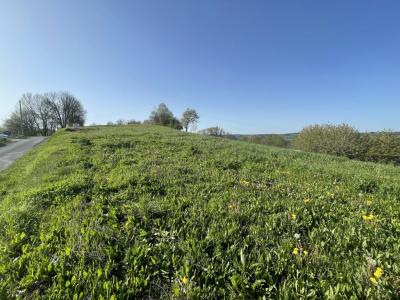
(295, 251)
(368, 217)
(378, 272)
(305, 252)
(244, 182)
(185, 280)
(307, 200)
(293, 216)
(373, 280)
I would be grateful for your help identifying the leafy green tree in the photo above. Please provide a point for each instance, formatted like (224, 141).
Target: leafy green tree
(161, 115)
(189, 118)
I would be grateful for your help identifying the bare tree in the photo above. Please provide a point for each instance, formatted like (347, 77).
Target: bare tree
(214, 131)
(22, 120)
(44, 113)
(121, 122)
(189, 118)
(40, 112)
(67, 110)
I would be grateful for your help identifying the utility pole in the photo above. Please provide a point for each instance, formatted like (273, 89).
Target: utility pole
(20, 115)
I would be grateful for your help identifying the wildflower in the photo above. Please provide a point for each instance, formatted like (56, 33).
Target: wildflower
(373, 280)
(295, 251)
(293, 216)
(297, 236)
(185, 280)
(307, 200)
(378, 273)
(305, 252)
(244, 182)
(368, 217)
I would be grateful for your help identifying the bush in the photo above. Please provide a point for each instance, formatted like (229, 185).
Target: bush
(384, 147)
(340, 140)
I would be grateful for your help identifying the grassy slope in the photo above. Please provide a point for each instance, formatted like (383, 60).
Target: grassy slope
(131, 211)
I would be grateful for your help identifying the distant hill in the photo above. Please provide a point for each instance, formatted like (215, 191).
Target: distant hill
(148, 212)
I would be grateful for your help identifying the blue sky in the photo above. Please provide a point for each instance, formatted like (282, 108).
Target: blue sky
(248, 66)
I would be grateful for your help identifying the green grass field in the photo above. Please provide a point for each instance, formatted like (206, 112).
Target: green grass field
(131, 212)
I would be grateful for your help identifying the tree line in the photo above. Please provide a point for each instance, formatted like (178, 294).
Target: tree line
(43, 114)
(275, 140)
(345, 140)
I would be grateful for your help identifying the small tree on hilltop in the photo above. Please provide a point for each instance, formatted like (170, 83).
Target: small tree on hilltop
(161, 115)
(189, 118)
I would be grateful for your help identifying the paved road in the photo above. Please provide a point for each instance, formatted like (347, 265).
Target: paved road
(12, 151)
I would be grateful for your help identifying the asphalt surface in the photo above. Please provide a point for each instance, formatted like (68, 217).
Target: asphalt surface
(11, 152)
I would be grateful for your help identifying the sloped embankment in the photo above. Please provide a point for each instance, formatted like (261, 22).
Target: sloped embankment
(148, 212)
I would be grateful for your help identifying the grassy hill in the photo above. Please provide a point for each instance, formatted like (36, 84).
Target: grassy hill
(149, 212)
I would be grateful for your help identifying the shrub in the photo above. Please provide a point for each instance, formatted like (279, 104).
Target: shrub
(384, 147)
(340, 140)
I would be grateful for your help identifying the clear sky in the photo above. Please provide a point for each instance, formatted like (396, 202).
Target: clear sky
(248, 66)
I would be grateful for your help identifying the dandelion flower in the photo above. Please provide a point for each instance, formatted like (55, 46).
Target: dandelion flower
(378, 272)
(293, 215)
(295, 251)
(305, 252)
(307, 200)
(369, 217)
(373, 280)
(185, 280)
